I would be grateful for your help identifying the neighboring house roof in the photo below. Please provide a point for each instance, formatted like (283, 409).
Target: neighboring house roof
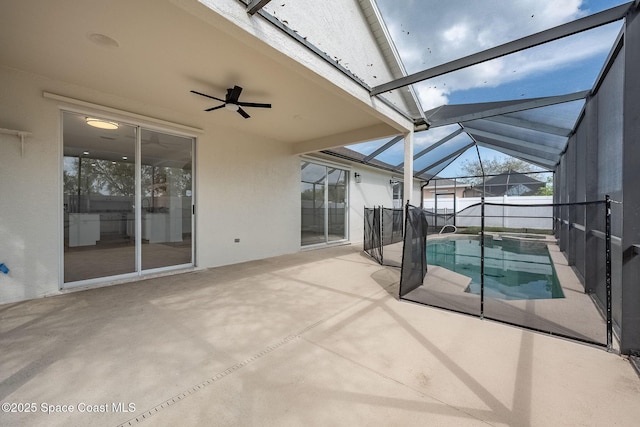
(445, 183)
(512, 184)
(512, 178)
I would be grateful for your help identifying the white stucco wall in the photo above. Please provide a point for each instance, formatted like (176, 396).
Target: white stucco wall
(29, 190)
(247, 187)
(373, 190)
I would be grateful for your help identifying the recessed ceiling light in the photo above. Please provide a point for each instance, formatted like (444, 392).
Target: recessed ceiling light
(113, 163)
(86, 153)
(124, 157)
(101, 124)
(102, 40)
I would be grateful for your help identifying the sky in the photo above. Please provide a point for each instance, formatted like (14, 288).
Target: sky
(428, 33)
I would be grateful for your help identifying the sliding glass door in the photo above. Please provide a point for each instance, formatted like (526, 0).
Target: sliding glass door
(323, 197)
(166, 200)
(127, 197)
(336, 204)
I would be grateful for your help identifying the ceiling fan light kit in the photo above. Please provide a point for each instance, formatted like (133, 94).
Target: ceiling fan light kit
(231, 102)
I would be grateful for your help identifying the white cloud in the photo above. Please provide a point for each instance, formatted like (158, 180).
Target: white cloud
(458, 28)
(431, 97)
(457, 35)
(425, 139)
(444, 31)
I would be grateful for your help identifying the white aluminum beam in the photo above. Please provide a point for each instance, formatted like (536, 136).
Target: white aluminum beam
(570, 28)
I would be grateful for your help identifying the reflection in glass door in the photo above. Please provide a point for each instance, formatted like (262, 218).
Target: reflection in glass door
(166, 200)
(313, 206)
(337, 202)
(323, 197)
(99, 199)
(115, 223)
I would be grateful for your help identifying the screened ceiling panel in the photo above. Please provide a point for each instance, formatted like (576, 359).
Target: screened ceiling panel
(517, 145)
(524, 104)
(441, 152)
(438, 169)
(554, 68)
(458, 28)
(508, 132)
(425, 139)
(538, 157)
(389, 151)
(366, 148)
(448, 114)
(394, 154)
(564, 115)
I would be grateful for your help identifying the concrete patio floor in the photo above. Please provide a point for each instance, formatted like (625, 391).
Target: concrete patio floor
(315, 339)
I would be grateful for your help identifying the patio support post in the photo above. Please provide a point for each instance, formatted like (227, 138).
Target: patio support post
(408, 168)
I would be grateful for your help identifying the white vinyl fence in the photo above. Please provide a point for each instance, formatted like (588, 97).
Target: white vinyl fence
(468, 215)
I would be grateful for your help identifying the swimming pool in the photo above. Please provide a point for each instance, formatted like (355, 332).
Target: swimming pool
(513, 270)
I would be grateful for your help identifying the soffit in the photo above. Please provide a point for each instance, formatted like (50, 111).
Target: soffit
(165, 51)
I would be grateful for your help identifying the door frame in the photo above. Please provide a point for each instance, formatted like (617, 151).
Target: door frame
(139, 122)
(347, 208)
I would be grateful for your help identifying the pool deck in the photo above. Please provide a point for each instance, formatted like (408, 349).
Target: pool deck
(315, 338)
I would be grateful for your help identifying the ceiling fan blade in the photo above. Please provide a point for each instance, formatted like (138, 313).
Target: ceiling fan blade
(254, 104)
(243, 113)
(234, 94)
(207, 96)
(214, 108)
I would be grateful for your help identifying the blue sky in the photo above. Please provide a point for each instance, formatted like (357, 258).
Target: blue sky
(433, 32)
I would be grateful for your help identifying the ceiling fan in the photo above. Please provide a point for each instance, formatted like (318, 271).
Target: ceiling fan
(232, 103)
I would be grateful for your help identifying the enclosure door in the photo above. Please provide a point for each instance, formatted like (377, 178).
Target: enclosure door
(323, 204)
(127, 200)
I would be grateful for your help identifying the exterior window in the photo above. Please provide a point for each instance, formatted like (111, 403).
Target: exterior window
(398, 191)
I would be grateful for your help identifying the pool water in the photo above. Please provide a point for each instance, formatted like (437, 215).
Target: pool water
(512, 271)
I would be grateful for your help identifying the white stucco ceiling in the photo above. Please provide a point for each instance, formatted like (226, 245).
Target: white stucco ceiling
(169, 47)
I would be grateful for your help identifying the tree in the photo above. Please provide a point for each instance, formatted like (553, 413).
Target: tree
(495, 166)
(547, 190)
